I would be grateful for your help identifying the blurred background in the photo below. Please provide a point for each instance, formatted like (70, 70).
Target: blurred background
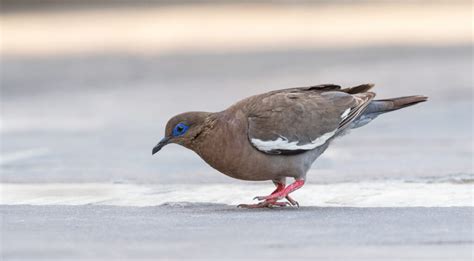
(88, 86)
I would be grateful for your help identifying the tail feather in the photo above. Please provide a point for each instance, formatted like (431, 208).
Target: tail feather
(377, 107)
(381, 106)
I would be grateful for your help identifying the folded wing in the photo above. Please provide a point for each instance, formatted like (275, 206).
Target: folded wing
(296, 120)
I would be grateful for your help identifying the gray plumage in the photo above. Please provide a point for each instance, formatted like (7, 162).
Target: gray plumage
(278, 134)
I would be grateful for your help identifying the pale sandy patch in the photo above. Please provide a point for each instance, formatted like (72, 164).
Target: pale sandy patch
(234, 28)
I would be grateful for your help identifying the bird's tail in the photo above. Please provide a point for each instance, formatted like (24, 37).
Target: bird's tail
(377, 107)
(382, 106)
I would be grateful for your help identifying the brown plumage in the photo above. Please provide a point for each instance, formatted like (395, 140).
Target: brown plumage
(278, 134)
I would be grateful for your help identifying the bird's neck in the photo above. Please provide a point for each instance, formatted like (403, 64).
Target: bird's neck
(218, 141)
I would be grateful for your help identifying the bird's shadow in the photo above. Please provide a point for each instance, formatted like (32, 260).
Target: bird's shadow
(224, 208)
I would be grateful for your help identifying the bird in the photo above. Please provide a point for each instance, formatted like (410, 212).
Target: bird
(279, 134)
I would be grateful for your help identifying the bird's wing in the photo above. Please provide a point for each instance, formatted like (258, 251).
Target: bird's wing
(293, 121)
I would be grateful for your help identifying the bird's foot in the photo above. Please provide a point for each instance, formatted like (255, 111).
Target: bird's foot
(270, 198)
(265, 204)
(283, 193)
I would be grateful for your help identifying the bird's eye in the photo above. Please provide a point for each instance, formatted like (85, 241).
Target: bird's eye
(180, 129)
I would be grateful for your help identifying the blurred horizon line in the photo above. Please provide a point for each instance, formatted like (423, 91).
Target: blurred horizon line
(234, 27)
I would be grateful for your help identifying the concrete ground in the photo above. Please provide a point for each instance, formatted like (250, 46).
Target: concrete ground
(221, 232)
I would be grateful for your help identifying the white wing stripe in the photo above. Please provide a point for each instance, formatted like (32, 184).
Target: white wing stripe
(282, 143)
(345, 113)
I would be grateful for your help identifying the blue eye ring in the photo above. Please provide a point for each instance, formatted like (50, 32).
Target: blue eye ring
(180, 129)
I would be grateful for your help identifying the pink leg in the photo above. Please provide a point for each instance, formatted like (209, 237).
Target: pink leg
(284, 193)
(279, 193)
(280, 186)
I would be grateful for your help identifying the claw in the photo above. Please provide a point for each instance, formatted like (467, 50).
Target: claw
(292, 201)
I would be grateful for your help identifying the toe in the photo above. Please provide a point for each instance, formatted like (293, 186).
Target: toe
(278, 204)
(292, 201)
(263, 204)
(260, 198)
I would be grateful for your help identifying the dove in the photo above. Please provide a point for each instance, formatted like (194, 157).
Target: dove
(279, 134)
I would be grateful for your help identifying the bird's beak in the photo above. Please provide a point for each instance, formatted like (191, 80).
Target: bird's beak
(160, 145)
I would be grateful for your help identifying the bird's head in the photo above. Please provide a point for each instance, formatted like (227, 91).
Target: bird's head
(183, 129)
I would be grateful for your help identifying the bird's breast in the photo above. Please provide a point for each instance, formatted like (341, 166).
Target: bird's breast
(227, 149)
